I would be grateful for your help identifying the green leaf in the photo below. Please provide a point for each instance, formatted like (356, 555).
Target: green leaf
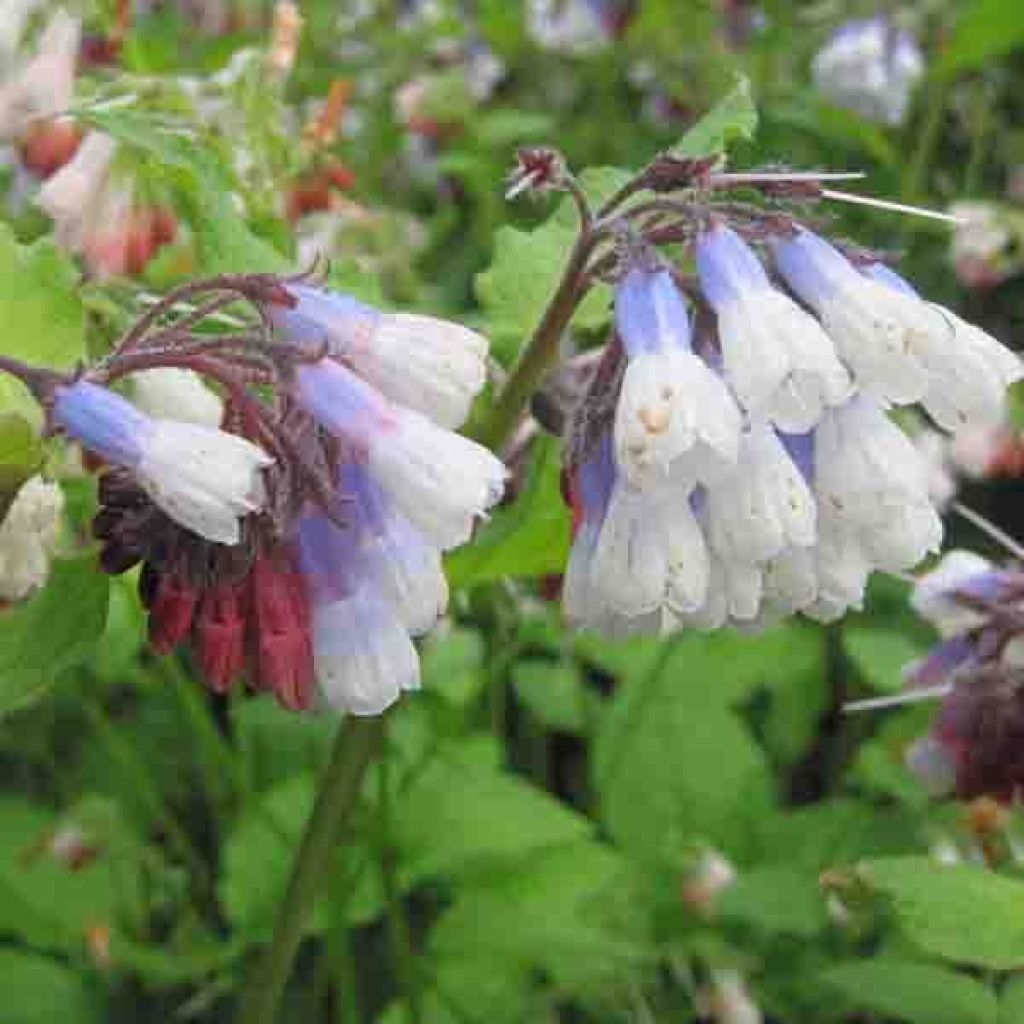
(527, 266)
(438, 820)
(566, 911)
(55, 630)
(733, 118)
(21, 454)
(204, 187)
(987, 29)
(880, 654)
(38, 990)
(960, 913)
(527, 538)
(43, 320)
(42, 900)
(776, 901)
(672, 764)
(912, 992)
(555, 694)
(453, 666)
(1011, 1001)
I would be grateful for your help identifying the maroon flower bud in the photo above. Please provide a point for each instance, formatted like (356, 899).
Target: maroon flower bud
(171, 612)
(283, 646)
(220, 635)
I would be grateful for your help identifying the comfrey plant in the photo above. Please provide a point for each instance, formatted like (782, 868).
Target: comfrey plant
(293, 533)
(734, 460)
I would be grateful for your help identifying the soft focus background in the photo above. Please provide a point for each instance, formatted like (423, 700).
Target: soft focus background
(562, 828)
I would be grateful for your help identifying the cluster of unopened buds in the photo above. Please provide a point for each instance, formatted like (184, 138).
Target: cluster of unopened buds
(298, 541)
(734, 460)
(976, 743)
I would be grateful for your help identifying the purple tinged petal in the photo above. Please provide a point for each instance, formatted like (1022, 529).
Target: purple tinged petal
(596, 480)
(102, 421)
(941, 662)
(727, 267)
(800, 448)
(887, 276)
(650, 313)
(811, 266)
(341, 401)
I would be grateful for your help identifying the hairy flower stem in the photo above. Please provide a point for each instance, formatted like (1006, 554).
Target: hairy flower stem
(542, 349)
(354, 748)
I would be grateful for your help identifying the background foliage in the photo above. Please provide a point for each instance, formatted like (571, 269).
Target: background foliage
(523, 850)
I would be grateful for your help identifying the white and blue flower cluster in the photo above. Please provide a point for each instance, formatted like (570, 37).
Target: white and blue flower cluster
(767, 478)
(390, 390)
(870, 67)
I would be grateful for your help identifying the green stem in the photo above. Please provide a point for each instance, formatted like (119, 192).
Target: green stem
(542, 349)
(354, 748)
(981, 125)
(398, 925)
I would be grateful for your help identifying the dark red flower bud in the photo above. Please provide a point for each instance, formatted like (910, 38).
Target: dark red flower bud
(220, 635)
(171, 613)
(283, 646)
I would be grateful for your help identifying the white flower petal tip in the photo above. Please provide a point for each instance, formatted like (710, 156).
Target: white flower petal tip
(363, 656)
(441, 482)
(673, 405)
(433, 366)
(649, 556)
(205, 480)
(179, 395)
(764, 505)
(871, 484)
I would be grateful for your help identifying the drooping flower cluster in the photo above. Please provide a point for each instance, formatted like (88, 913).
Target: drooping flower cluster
(871, 67)
(295, 540)
(976, 743)
(754, 472)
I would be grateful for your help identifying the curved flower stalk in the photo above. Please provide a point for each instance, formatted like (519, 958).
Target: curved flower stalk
(742, 466)
(291, 534)
(871, 67)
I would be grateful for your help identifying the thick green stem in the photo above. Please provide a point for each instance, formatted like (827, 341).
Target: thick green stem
(541, 350)
(354, 749)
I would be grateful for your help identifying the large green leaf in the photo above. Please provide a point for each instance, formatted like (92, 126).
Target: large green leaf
(1011, 1001)
(987, 29)
(961, 913)
(42, 317)
(439, 821)
(55, 630)
(566, 911)
(43, 901)
(912, 992)
(38, 990)
(776, 901)
(672, 763)
(529, 537)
